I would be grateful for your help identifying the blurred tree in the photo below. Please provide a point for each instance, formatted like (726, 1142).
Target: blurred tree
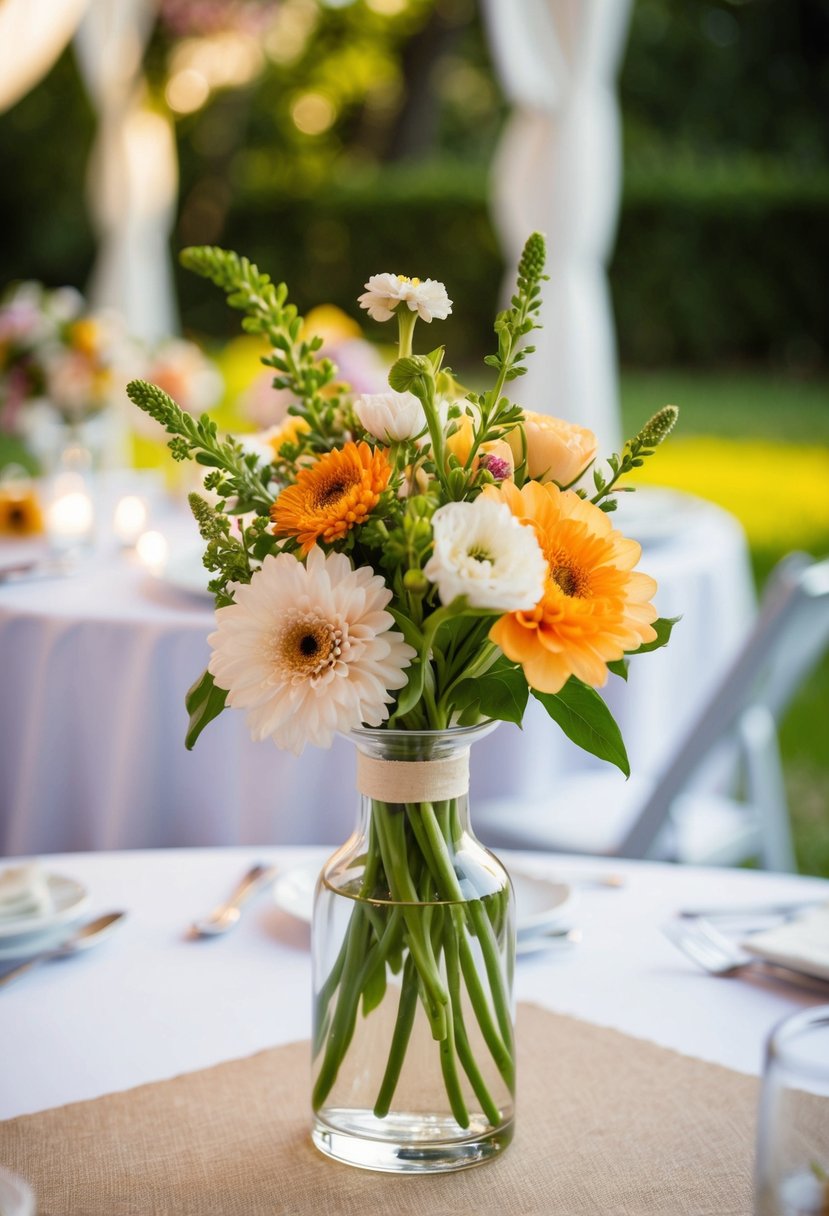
(331, 138)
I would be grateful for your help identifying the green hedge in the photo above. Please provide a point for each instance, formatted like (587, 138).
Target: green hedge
(710, 267)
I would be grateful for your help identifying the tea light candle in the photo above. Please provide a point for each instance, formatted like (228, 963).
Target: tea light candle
(151, 548)
(70, 520)
(129, 520)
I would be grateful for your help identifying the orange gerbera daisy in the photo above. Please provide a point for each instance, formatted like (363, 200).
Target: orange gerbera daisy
(594, 607)
(340, 490)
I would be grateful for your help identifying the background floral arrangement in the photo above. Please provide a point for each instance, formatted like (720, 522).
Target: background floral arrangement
(419, 557)
(56, 354)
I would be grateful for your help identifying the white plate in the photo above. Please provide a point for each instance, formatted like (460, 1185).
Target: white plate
(184, 570)
(540, 904)
(69, 899)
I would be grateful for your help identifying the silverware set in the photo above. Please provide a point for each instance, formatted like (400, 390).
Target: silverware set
(691, 931)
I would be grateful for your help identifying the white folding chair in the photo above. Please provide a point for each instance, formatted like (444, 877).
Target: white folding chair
(601, 813)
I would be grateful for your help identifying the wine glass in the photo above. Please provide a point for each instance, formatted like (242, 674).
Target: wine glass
(792, 1166)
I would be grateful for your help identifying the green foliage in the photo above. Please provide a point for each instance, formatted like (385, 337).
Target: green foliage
(633, 456)
(585, 719)
(501, 692)
(204, 702)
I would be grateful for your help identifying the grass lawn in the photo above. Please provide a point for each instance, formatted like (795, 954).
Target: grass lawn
(759, 446)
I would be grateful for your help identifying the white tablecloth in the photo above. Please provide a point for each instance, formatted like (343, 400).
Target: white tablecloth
(95, 668)
(149, 1003)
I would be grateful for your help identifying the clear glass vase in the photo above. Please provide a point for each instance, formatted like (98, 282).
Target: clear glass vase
(413, 957)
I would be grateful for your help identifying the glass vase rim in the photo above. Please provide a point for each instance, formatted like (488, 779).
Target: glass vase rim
(377, 733)
(781, 1049)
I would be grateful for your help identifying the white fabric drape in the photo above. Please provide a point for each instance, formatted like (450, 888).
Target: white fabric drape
(558, 171)
(32, 35)
(133, 175)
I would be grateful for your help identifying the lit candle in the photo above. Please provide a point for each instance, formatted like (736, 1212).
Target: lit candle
(130, 519)
(151, 548)
(70, 520)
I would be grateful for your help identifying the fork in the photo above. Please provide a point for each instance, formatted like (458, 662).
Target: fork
(718, 955)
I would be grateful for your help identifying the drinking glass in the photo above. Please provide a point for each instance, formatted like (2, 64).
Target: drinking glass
(792, 1167)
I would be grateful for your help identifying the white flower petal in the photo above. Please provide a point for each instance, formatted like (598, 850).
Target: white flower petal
(290, 694)
(487, 555)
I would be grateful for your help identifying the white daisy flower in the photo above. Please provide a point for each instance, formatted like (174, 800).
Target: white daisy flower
(386, 292)
(308, 650)
(390, 416)
(488, 556)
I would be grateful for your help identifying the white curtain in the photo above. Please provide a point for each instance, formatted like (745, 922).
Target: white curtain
(133, 174)
(558, 171)
(32, 35)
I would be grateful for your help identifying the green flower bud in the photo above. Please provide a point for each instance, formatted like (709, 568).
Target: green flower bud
(658, 428)
(415, 582)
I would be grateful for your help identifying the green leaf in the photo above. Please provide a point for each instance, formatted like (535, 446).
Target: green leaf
(664, 627)
(619, 667)
(413, 691)
(501, 693)
(204, 702)
(585, 719)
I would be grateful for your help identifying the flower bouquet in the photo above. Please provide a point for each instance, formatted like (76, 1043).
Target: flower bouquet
(409, 568)
(59, 362)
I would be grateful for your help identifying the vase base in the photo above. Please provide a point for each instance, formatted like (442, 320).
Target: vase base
(408, 1143)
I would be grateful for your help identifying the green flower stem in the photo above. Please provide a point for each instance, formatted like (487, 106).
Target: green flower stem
(345, 1015)
(500, 1053)
(450, 888)
(465, 1055)
(393, 848)
(404, 1022)
(406, 320)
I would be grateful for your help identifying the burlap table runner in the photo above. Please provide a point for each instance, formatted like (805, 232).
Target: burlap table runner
(607, 1125)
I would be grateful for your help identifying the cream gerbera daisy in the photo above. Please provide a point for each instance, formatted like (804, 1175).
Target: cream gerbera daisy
(483, 552)
(308, 650)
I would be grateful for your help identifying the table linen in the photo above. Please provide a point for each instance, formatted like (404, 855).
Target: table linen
(92, 718)
(151, 1003)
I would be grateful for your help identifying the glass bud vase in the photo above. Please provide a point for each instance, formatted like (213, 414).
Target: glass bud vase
(413, 957)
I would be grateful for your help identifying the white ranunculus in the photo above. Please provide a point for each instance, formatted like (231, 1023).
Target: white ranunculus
(487, 555)
(390, 416)
(428, 299)
(386, 292)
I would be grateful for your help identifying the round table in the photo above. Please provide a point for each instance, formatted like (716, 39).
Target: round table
(95, 667)
(151, 1003)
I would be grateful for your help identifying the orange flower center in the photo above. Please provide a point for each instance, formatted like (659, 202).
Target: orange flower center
(569, 578)
(307, 648)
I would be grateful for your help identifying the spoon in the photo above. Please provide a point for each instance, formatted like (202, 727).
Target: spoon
(81, 939)
(228, 914)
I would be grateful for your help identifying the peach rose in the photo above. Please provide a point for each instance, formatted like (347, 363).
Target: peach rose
(557, 451)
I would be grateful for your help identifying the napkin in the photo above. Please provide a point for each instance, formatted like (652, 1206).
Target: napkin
(24, 891)
(802, 943)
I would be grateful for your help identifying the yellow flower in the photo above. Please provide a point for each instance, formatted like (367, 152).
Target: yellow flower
(459, 443)
(556, 450)
(20, 513)
(85, 336)
(287, 432)
(594, 607)
(338, 492)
